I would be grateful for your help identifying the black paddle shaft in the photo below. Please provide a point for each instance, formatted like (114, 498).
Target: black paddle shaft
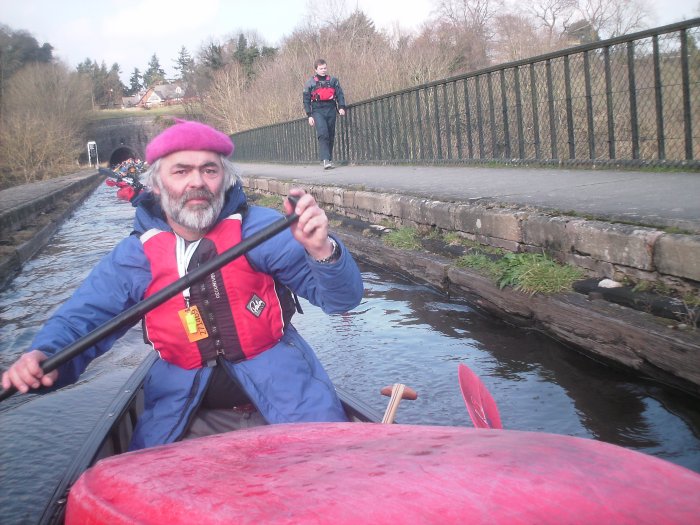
(136, 312)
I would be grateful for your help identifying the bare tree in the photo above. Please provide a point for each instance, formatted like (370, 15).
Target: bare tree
(224, 103)
(518, 38)
(468, 24)
(45, 110)
(553, 15)
(610, 18)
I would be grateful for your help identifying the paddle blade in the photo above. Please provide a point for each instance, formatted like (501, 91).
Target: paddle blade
(111, 182)
(481, 406)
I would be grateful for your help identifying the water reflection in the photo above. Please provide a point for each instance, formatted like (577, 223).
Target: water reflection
(408, 333)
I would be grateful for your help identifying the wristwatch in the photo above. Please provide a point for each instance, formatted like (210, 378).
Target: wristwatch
(334, 256)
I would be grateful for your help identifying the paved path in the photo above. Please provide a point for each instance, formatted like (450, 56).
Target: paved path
(652, 198)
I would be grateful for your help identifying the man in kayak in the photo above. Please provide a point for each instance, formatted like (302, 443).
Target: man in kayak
(229, 355)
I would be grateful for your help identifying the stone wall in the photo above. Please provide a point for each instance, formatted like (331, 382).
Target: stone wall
(635, 340)
(132, 133)
(40, 208)
(615, 251)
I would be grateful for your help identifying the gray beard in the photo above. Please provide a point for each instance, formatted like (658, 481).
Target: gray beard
(199, 219)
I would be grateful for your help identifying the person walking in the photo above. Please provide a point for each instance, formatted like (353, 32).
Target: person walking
(323, 98)
(229, 356)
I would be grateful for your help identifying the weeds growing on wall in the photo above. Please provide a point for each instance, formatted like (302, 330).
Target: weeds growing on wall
(404, 238)
(527, 272)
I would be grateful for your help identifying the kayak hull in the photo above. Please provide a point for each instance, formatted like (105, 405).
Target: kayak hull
(362, 472)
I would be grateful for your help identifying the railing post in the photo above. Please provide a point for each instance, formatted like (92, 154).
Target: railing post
(413, 153)
(609, 103)
(436, 125)
(492, 115)
(658, 102)
(519, 113)
(504, 109)
(552, 117)
(458, 121)
(479, 119)
(468, 120)
(420, 125)
(535, 112)
(448, 122)
(569, 109)
(589, 105)
(634, 122)
(687, 117)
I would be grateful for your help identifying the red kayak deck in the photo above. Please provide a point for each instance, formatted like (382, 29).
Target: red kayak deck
(344, 473)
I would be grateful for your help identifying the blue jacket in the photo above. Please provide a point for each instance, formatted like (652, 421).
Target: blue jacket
(287, 382)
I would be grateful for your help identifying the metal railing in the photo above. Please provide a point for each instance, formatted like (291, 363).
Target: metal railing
(630, 100)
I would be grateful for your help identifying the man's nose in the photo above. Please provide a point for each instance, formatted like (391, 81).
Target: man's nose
(195, 179)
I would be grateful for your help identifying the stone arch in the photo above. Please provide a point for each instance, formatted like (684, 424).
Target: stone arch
(121, 154)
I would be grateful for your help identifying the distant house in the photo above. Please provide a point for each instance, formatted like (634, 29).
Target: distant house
(165, 95)
(130, 102)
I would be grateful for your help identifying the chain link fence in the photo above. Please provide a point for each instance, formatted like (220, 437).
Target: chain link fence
(627, 101)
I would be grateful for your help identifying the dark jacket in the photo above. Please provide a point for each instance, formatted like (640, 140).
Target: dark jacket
(310, 86)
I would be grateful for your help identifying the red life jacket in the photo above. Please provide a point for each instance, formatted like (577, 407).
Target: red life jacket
(323, 90)
(239, 307)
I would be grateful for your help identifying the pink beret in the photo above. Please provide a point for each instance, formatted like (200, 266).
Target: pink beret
(188, 135)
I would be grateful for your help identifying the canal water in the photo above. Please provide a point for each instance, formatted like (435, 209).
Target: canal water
(402, 332)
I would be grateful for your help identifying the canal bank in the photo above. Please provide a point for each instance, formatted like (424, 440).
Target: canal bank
(31, 213)
(651, 346)
(665, 350)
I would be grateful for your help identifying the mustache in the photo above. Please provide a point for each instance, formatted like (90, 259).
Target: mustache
(201, 193)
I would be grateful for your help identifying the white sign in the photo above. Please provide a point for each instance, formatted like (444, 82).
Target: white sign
(92, 153)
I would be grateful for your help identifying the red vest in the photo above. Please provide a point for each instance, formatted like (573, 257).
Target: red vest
(239, 306)
(323, 90)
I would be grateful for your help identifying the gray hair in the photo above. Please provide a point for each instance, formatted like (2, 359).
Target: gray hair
(151, 177)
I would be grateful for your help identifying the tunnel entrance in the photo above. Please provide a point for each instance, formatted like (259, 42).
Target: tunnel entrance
(120, 155)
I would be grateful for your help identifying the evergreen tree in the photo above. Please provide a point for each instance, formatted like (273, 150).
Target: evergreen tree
(184, 64)
(107, 87)
(135, 84)
(212, 56)
(19, 48)
(115, 86)
(154, 74)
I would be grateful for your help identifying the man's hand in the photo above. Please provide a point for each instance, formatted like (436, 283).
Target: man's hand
(341, 111)
(311, 121)
(311, 230)
(26, 373)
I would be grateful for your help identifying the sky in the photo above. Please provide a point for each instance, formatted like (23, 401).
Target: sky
(129, 32)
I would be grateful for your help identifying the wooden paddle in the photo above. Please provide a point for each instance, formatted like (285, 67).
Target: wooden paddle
(396, 392)
(132, 315)
(481, 406)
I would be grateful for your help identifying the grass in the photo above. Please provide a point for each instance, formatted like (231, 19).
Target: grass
(166, 111)
(527, 272)
(267, 201)
(481, 263)
(403, 238)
